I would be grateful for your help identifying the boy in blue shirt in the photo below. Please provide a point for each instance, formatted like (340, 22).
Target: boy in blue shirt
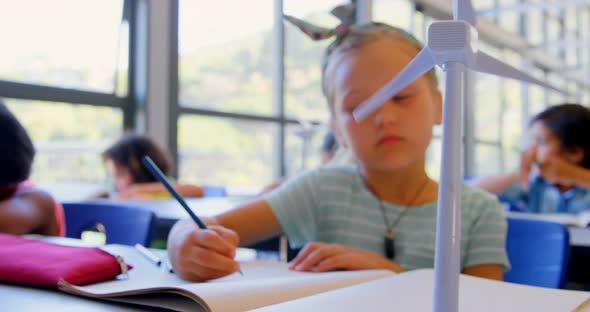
(554, 173)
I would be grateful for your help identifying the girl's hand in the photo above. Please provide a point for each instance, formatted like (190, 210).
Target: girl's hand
(527, 160)
(322, 257)
(200, 255)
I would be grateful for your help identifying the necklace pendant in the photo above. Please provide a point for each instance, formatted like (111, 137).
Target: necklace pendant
(389, 245)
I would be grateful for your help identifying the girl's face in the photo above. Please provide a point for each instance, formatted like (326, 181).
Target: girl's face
(121, 175)
(547, 145)
(396, 135)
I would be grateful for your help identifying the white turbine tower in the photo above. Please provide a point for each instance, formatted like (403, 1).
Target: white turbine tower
(453, 46)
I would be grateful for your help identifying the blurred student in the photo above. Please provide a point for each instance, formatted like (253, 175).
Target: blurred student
(554, 173)
(131, 179)
(24, 209)
(329, 147)
(379, 213)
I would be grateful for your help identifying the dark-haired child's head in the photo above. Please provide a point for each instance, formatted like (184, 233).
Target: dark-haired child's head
(123, 160)
(16, 152)
(563, 131)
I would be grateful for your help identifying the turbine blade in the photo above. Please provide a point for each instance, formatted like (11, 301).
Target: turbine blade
(423, 62)
(486, 63)
(463, 10)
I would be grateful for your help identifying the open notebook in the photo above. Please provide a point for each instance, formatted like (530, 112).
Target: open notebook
(270, 286)
(263, 283)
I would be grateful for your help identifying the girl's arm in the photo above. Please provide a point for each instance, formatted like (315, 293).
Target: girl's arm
(491, 271)
(30, 211)
(496, 184)
(556, 170)
(199, 255)
(253, 222)
(141, 190)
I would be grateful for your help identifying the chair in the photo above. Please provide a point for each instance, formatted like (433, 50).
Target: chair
(213, 191)
(538, 252)
(123, 224)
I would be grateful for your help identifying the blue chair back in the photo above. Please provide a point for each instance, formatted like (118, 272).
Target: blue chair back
(124, 224)
(213, 191)
(538, 253)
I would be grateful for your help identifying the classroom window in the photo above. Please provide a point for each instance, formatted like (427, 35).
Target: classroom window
(536, 94)
(303, 57)
(488, 159)
(433, 158)
(225, 151)
(395, 13)
(303, 153)
(534, 26)
(69, 139)
(483, 4)
(64, 43)
(554, 97)
(225, 55)
(512, 106)
(487, 107)
(509, 19)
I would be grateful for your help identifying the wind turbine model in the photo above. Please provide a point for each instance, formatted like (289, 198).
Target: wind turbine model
(453, 46)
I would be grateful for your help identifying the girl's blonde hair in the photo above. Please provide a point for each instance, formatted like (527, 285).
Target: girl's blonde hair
(360, 36)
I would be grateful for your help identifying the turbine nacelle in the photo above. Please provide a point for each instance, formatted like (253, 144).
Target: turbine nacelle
(452, 41)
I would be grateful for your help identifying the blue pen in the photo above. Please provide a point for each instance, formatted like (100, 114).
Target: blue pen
(157, 173)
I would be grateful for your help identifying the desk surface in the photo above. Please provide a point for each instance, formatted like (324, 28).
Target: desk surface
(23, 298)
(579, 236)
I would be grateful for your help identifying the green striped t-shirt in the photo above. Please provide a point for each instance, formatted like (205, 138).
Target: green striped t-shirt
(331, 204)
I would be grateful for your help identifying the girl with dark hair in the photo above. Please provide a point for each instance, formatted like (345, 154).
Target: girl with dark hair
(23, 208)
(554, 173)
(131, 179)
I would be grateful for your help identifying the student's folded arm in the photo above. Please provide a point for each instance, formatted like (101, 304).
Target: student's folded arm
(189, 190)
(29, 212)
(136, 190)
(495, 184)
(582, 178)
